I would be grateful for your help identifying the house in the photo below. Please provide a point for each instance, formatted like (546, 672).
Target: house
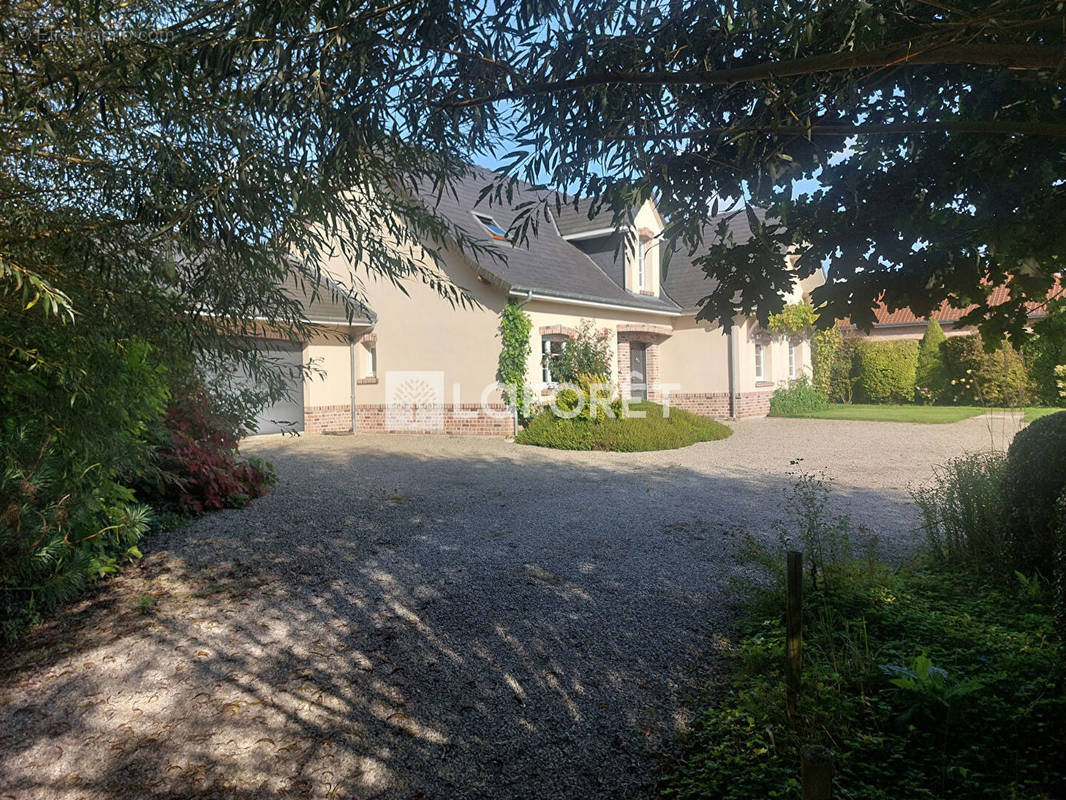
(433, 366)
(905, 324)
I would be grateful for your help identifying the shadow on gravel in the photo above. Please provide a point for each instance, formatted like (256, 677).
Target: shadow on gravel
(393, 625)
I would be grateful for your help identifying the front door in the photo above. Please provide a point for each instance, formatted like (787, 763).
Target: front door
(638, 370)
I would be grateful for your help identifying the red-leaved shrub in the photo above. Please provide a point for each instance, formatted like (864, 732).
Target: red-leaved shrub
(199, 467)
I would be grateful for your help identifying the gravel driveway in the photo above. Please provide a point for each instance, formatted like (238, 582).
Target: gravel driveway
(430, 617)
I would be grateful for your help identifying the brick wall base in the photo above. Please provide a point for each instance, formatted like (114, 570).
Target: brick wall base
(469, 419)
(716, 404)
(327, 419)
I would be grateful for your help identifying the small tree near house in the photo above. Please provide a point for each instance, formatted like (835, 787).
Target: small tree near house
(931, 371)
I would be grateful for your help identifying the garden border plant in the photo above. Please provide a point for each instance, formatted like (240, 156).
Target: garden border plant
(927, 681)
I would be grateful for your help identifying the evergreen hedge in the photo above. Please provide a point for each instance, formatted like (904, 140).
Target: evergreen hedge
(886, 372)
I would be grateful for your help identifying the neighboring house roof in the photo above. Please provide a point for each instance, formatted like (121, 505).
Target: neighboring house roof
(947, 314)
(545, 263)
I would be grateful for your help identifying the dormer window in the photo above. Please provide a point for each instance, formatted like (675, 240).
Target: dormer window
(495, 230)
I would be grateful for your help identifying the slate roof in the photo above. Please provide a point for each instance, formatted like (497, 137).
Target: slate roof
(545, 263)
(328, 306)
(572, 221)
(685, 282)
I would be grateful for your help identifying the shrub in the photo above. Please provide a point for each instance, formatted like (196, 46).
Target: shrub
(197, 465)
(976, 377)
(1046, 351)
(924, 683)
(824, 350)
(930, 370)
(71, 437)
(841, 372)
(964, 512)
(1035, 480)
(797, 400)
(633, 434)
(588, 353)
(885, 372)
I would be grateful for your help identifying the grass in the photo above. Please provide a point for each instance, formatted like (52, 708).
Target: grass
(1038, 412)
(923, 683)
(936, 415)
(653, 432)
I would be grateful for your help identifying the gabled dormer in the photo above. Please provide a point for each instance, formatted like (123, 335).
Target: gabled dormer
(645, 251)
(629, 252)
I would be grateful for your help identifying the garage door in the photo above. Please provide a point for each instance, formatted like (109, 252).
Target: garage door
(288, 413)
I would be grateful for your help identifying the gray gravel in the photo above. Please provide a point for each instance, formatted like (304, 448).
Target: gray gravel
(431, 617)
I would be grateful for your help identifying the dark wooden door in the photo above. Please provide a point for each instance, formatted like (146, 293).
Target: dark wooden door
(638, 370)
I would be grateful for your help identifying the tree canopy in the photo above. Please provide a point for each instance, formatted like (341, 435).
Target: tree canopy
(928, 136)
(167, 168)
(163, 162)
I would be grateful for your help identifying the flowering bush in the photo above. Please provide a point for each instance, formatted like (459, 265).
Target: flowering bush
(978, 377)
(588, 353)
(198, 469)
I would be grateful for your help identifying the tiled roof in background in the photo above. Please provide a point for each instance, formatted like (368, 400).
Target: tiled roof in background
(946, 313)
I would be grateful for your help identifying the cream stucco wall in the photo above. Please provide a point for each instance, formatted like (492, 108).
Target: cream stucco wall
(696, 357)
(329, 382)
(421, 330)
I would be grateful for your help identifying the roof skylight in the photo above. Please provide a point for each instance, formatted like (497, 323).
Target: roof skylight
(494, 229)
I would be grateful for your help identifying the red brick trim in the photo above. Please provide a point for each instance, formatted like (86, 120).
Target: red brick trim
(367, 381)
(368, 338)
(558, 330)
(641, 332)
(716, 404)
(467, 419)
(327, 419)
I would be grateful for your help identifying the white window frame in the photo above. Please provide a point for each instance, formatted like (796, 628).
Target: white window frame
(481, 219)
(760, 361)
(642, 269)
(545, 348)
(370, 359)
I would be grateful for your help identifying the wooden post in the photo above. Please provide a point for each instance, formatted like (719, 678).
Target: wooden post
(816, 773)
(793, 631)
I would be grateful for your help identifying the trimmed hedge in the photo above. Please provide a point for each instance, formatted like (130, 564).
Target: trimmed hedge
(824, 348)
(1034, 481)
(885, 372)
(653, 432)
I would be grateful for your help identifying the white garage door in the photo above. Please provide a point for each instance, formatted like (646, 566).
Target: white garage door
(288, 413)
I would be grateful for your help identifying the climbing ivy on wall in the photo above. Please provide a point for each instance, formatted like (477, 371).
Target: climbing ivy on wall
(795, 319)
(515, 326)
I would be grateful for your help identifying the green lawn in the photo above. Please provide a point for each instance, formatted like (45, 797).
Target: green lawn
(1037, 413)
(888, 413)
(926, 414)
